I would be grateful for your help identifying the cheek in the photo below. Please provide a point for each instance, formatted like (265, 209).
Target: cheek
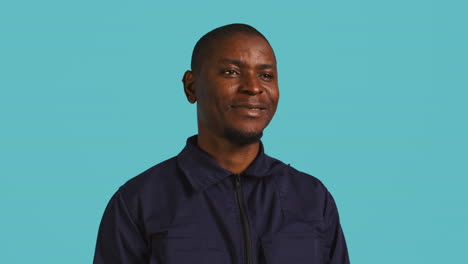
(274, 97)
(218, 97)
(212, 107)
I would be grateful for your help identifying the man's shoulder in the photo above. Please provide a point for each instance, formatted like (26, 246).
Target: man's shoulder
(305, 178)
(287, 174)
(299, 190)
(152, 179)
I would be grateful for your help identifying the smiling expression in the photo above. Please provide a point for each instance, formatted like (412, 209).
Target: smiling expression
(236, 87)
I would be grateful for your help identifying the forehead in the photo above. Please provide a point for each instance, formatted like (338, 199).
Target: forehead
(242, 46)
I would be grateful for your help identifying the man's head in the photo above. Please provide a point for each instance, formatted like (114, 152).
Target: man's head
(234, 80)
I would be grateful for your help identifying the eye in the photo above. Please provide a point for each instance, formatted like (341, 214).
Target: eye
(266, 76)
(230, 72)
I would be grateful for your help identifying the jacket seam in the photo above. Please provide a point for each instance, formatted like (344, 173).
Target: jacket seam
(279, 193)
(131, 213)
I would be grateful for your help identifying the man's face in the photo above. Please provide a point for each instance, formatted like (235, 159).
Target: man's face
(237, 88)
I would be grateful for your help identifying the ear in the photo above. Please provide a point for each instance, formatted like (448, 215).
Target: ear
(189, 86)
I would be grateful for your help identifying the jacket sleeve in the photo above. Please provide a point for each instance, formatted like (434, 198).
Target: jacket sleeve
(119, 240)
(338, 252)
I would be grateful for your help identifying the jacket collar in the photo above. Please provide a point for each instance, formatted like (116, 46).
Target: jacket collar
(202, 171)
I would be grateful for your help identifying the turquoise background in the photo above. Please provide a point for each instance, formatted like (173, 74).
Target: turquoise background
(374, 102)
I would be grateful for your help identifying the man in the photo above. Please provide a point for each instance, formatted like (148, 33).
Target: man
(222, 200)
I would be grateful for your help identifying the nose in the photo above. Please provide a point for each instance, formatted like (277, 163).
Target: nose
(250, 84)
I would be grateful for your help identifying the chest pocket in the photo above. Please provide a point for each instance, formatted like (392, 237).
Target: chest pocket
(185, 250)
(291, 249)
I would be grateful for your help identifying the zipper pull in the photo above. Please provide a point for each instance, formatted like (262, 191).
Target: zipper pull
(237, 180)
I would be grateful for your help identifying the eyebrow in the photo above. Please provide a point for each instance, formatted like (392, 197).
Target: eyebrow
(240, 63)
(267, 66)
(231, 61)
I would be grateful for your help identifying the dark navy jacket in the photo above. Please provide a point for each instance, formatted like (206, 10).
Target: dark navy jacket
(189, 210)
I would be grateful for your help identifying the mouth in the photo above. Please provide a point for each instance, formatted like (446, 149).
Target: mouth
(250, 106)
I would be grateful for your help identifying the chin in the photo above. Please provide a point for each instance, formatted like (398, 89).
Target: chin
(243, 137)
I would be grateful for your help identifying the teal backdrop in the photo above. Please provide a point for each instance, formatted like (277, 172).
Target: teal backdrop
(374, 102)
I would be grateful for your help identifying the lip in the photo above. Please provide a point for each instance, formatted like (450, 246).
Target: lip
(254, 107)
(251, 111)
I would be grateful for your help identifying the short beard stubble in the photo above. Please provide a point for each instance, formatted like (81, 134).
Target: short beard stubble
(242, 138)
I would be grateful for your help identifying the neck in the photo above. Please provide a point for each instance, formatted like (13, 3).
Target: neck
(232, 157)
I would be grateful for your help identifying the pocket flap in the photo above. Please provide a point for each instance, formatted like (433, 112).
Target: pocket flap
(291, 249)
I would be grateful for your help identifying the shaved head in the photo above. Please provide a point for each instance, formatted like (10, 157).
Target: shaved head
(205, 43)
(234, 81)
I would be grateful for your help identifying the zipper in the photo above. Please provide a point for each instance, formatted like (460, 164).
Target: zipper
(244, 220)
